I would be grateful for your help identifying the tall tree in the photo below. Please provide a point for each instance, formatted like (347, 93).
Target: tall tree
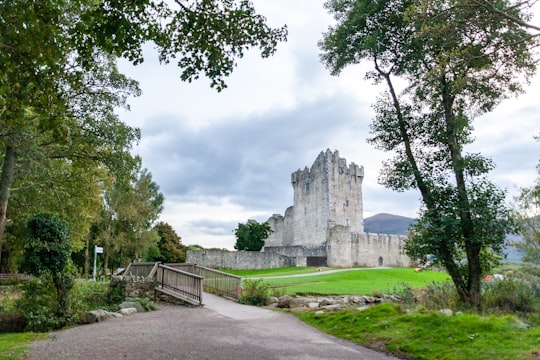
(251, 235)
(456, 62)
(52, 53)
(169, 245)
(528, 213)
(129, 210)
(61, 164)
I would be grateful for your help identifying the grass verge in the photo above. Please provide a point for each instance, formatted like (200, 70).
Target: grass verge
(13, 346)
(431, 335)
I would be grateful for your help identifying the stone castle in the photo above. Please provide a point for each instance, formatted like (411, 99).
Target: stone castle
(325, 226)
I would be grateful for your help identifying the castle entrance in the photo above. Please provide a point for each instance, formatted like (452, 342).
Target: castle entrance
(317, 261)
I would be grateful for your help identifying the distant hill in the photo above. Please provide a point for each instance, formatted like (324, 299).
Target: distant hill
(387, 224)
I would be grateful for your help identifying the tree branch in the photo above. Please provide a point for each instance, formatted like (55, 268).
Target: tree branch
(490, 7)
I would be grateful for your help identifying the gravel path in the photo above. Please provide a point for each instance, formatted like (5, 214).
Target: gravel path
(221, 330)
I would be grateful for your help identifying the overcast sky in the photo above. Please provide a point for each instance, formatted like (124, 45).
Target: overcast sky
(224, 158)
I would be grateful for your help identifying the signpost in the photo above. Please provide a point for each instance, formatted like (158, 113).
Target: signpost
(97, 250)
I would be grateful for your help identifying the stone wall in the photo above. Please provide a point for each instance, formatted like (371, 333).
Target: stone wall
(296, 251)
(238, 260)
(132, 286)
(327, 193)
(327, 215)
(346, 249)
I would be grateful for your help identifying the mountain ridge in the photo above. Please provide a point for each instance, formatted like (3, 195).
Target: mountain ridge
(385, 223)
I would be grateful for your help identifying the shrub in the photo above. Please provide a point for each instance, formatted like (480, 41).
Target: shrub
(116, 293)
(38, 305)
(47, 253)
(509, 295)
(86, 296)
(406, 294)
(147, 304)
(254, 292)
(435, 296)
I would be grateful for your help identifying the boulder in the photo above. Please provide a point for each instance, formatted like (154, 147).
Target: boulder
(284, 302)
(355, 299)
(128, 311)
(369, 299)
(313, 305)
(447, 312)
(96, 316)
(270, 300)
(132, 304)
(325, 302)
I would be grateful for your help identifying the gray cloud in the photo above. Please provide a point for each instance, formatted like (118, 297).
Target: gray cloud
(214, 227)
(249, 159)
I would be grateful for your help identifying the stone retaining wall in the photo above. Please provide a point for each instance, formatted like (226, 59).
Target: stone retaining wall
(238, 260)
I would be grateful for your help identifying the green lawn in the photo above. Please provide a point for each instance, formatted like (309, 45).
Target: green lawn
(431, 335)
(274, 272)
(361, 282)
(13, 346)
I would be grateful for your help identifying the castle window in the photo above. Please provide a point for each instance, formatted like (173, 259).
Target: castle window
(347, 222)
(306, 187)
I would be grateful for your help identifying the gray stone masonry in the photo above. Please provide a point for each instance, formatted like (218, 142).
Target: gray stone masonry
(327, 220)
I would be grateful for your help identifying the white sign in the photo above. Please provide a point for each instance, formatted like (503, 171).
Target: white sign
(97, 250)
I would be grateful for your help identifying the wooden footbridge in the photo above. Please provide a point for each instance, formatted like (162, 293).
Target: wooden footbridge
(187, 282)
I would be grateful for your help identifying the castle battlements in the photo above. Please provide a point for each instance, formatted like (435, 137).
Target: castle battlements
(326, 216)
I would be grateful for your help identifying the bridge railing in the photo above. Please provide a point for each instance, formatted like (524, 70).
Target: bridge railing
(215, 281)
(180, 282)
(187, 267)
(5, 276)
(146, 269)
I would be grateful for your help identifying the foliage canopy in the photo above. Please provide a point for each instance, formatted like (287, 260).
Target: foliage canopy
(528, 213)
(48, 254)
(60, 139)
(251, 235)
(457, 60)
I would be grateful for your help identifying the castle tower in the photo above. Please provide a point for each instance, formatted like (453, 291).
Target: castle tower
(327, 194)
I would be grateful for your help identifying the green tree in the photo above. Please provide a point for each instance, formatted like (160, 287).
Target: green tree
(130, 207)
(59, 130)
(53, 53)
(169, 245)
(251, 235)
(48, 252)
(528, 214)
(456, 62)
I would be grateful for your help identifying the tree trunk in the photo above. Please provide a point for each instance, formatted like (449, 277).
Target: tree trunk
(105, 262)
(63, 284)
(424, 190)
(6, 180)
(473, 290)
